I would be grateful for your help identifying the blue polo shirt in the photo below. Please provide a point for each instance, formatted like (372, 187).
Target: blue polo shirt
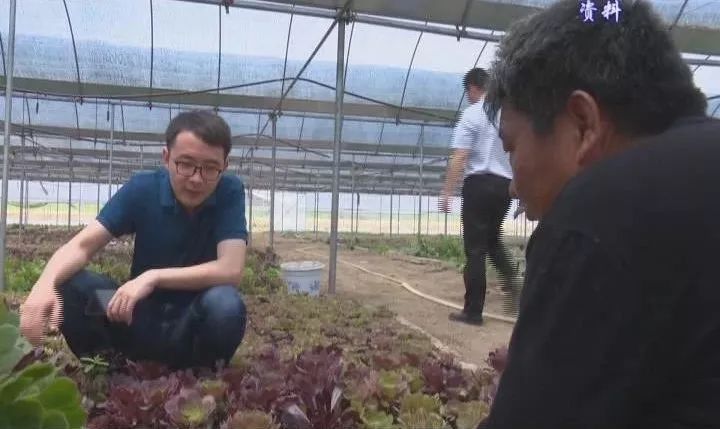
(165, 234)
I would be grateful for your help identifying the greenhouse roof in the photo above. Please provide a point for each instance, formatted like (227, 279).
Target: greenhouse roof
(82, 68)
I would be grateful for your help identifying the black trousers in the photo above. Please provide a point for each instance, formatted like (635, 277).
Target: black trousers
(180, 329)
(485, 203)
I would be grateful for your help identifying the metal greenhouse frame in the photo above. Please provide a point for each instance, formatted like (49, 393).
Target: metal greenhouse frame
(69, 147)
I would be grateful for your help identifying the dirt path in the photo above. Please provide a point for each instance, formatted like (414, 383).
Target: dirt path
(471, 343)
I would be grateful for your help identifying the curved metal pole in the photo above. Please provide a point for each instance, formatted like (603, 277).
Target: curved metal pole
(6, 144)
(337, 152)
(295, 80)
(407, 75)
(77, 63)
(677, 18)
(362, 18)
(287, 49)
(2, 53)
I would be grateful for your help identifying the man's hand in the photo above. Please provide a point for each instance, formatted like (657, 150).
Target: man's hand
(122, 304)
(41, 310)
(455, 168)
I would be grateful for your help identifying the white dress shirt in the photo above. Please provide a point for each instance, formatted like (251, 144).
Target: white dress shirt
(477, 134)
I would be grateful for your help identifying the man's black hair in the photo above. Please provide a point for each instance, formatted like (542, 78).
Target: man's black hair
(206, 125)
(632, 68)
(476, 77)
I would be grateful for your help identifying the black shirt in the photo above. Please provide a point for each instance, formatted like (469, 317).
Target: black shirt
(619, 321)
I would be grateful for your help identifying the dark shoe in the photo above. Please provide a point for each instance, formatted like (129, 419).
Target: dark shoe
(469, 318)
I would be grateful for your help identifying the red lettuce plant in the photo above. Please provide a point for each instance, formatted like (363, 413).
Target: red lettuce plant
(250, 420)
(135, 404)
(261, 385)
(444, 378)
(319, 401)
(188, 409)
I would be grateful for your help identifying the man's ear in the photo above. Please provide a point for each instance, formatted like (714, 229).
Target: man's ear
(585, 116)
(166, 156)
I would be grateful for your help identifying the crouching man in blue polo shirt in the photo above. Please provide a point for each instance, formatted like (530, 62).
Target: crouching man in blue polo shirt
(181, 306)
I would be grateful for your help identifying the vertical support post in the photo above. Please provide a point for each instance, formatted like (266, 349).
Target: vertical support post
(70, 183)
(381, 199)
(251, 180)
(391, 211)
(357, 213)
(437, 214)
(446, 216)
(6, 145)
(337, 151)
(282, 211)
(420, 188)
(316, 222)
(80, 204)
(427, 212)
(414, 212)
(297, 208)
(112, 141)
(22, 201)
(273, 119)
(398, 216)
(27, 202)
(98, 195)
(352, 204)
(57, 205)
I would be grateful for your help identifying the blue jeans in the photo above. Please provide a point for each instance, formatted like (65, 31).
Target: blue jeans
(181, 329)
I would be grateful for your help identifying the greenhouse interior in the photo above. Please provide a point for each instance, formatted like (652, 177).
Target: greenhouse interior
(341, 112)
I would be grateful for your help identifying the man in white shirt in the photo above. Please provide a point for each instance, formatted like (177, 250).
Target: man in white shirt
(478, 154)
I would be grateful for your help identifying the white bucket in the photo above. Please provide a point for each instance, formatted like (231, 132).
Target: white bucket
(302, 277)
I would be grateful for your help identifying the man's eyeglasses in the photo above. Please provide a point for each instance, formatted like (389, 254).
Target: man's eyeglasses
(208, 173)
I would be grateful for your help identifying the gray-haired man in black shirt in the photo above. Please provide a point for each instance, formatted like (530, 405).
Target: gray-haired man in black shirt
(611, 148)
